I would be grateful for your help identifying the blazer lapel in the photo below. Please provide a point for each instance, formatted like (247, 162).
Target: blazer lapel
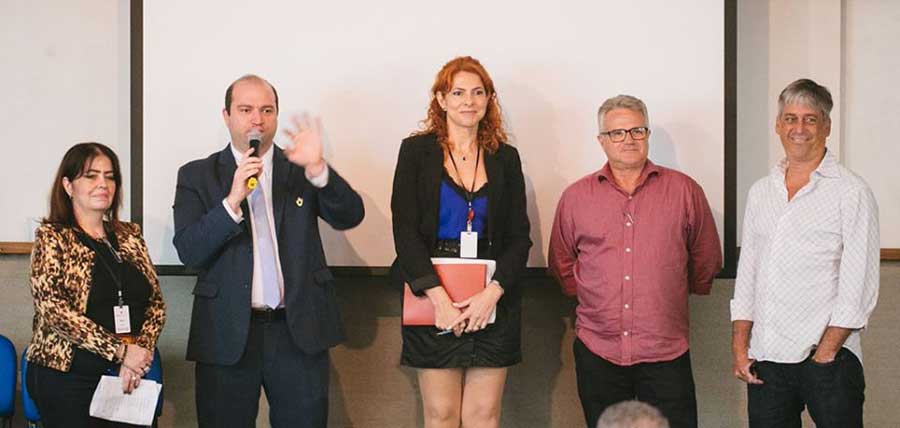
(433, 172)
(282, 172)
(495, 183)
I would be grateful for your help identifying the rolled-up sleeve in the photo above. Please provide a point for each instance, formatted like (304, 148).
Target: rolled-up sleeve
(860, 260)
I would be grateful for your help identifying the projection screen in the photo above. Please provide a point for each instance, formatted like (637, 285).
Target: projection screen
(366, 69)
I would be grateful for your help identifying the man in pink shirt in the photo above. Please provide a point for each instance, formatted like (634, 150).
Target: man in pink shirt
(631, 241)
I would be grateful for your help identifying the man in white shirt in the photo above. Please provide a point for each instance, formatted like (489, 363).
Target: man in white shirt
(807, 280)
(265, 311)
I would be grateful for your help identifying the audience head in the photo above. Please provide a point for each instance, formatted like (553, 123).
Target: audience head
(632, 414)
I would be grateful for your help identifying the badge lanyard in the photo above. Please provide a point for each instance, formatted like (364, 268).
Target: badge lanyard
(121, 314)
(468, 240)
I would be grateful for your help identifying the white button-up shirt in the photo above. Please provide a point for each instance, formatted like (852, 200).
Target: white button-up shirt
(265, 184)
(808, 263)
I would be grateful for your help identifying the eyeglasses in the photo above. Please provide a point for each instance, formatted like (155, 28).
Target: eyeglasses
(618, 135)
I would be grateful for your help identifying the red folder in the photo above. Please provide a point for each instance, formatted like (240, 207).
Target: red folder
(461, 281)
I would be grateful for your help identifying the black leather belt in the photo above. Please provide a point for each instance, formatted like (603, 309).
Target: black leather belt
(446, 248)
(267, 315)
(450, 248)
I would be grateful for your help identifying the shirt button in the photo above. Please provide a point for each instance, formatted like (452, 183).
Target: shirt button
(625, 333)
(627, 278)
(628, 250)
(627, 306)
(628, 224)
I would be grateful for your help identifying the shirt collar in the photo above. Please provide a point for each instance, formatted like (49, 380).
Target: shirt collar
(606, 173)
(828, 167)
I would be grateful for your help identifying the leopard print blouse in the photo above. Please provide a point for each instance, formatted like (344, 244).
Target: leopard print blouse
(61, 267)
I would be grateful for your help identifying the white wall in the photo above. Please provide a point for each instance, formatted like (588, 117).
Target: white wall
(872, 104)
(852, 48)
(753, 100)
(804, 41)
(66, 80)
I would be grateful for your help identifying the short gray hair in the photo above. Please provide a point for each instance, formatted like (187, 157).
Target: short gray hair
(808, 93)
(632, 414)
(622, 101)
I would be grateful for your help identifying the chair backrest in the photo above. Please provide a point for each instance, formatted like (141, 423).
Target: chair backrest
(7, 378)
(31, 412)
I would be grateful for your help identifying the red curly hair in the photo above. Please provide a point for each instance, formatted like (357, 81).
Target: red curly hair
(490, 128)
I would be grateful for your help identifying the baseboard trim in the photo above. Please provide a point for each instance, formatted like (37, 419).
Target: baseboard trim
(15, 247)
(892, 254)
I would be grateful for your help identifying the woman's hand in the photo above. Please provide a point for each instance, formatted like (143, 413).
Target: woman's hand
(479, 308)
(445, 313)
(137, 359)
(130, 379)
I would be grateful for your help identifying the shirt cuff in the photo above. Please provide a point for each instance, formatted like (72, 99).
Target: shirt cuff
(237, 217)
(320, 180)
(849, 317)
(741, 311)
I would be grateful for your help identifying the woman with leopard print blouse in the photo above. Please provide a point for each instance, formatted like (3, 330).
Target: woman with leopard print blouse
(97, 303)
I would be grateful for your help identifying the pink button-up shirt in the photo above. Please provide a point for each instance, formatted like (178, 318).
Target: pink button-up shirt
(633, 259)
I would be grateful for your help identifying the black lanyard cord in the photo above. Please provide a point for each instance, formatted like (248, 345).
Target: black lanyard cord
(92, 243)
(470, 194)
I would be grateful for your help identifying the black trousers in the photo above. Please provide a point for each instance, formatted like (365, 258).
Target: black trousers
(296, 384)
(64, 399)
(667, 385)
(833, 393)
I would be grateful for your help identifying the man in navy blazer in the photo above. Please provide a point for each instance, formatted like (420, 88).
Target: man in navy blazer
(265, 312)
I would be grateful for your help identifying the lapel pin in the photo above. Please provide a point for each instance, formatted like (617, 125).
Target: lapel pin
(299, 201)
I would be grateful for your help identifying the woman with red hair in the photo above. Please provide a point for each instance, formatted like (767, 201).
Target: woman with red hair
(460, 176)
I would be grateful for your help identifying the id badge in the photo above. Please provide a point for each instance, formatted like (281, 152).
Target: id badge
(468, 245)
(122, 318)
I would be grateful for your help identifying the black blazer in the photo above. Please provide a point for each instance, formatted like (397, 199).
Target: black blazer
(415, 204)
(208, 240)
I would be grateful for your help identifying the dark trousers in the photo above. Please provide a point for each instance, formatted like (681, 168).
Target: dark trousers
(667, 385)
(296, 384)
(833, 393)
(64, 399)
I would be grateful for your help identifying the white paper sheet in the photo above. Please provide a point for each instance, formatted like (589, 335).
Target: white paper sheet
(112, 404)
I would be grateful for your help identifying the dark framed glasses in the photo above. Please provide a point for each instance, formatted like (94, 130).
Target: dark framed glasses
(618, 135)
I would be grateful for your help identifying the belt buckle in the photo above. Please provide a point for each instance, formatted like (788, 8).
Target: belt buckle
(265, 315)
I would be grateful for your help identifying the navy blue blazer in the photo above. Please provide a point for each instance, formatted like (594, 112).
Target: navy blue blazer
(207, 239)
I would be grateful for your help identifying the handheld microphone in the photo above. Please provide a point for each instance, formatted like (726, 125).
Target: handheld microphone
(254, 137)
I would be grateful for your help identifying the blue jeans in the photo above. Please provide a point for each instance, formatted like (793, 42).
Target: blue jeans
(833, 393)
